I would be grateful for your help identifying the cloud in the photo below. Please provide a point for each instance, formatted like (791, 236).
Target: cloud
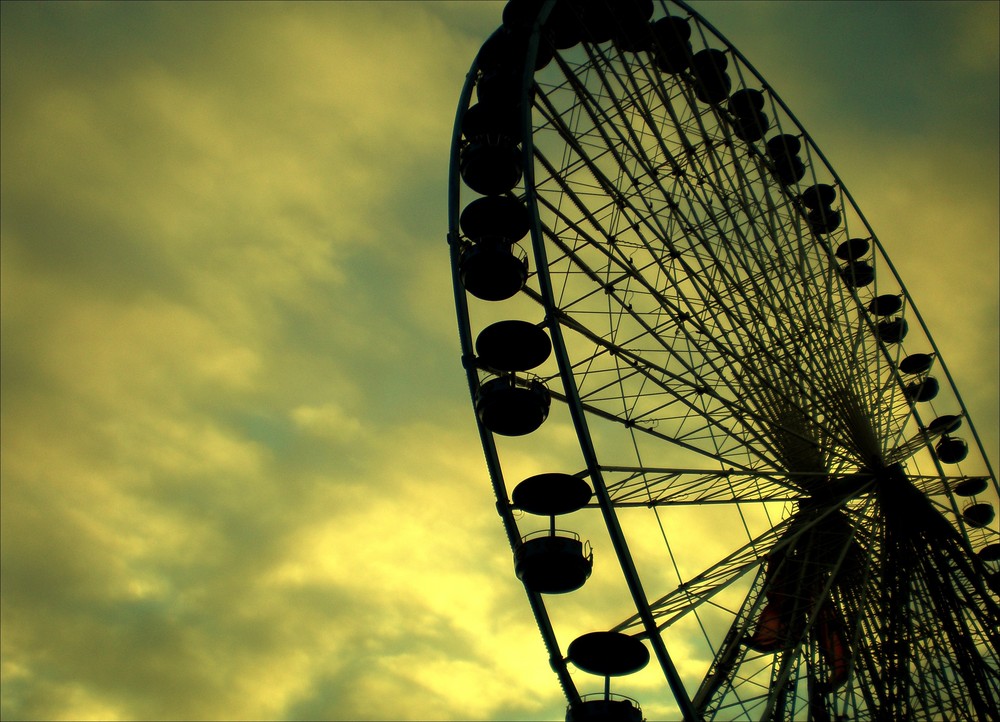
(974, 43)
(327, 421)
(198, 343)
(183, 337)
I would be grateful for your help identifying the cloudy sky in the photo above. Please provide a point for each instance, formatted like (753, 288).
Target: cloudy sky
(240, 473)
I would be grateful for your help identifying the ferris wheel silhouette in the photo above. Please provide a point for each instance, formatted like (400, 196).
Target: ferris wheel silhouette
(646, 242)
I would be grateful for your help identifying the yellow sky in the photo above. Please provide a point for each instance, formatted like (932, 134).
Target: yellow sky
(240, 473)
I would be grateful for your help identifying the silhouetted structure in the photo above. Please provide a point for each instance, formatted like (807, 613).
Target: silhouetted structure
(723, 330)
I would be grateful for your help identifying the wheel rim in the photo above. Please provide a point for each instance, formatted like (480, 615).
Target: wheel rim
(718, 361)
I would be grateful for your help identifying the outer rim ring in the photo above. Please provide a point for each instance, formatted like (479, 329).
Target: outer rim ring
(538, 245)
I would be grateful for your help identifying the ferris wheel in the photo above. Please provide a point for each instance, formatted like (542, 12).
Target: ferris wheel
(730, 460)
